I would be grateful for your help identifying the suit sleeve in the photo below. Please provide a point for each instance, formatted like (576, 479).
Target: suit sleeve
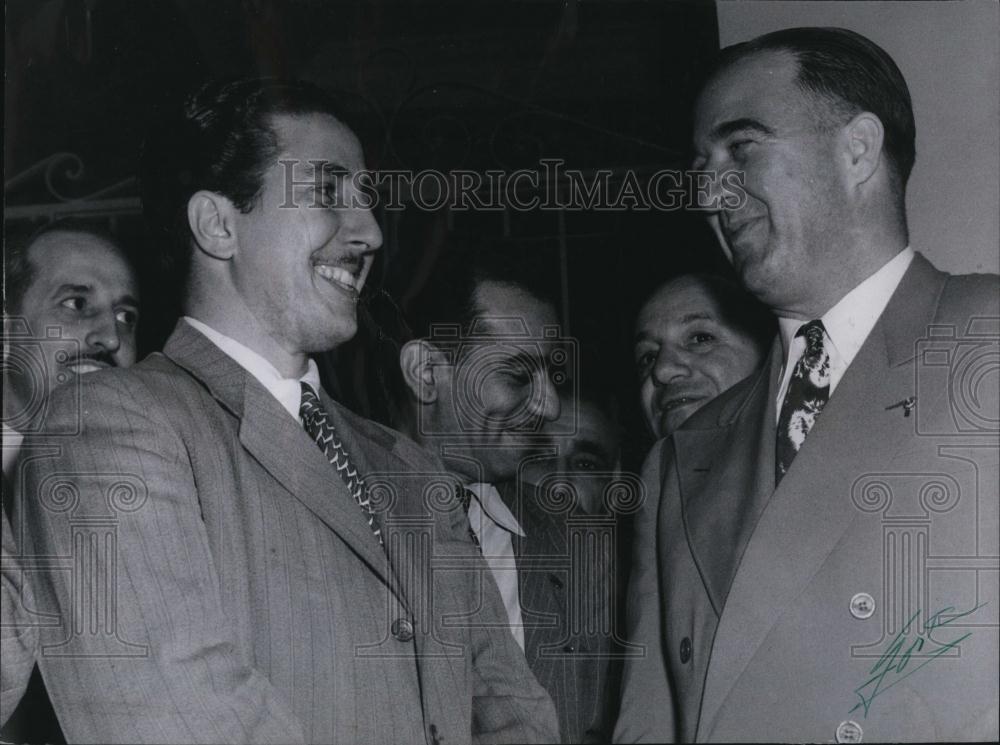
(646, 712)
(18, 633)
(143, 651)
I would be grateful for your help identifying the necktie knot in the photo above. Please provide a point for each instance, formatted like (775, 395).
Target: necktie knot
(813, 333)
(310, 406)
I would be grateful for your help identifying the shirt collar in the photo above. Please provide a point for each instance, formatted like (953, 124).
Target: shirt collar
(492, 504)
(850, 321)
(288, 391)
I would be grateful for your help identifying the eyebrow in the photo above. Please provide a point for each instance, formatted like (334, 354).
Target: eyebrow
(590, 447)
(334, 170)
(745, 124)
(686, 318)
(88, 289)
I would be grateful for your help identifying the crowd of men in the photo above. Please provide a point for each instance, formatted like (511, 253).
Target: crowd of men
(205, 546)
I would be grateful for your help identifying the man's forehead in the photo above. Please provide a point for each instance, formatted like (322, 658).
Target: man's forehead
(510, 309)
(77, 258)
(748, 84)
(680, 301)
(316, 137)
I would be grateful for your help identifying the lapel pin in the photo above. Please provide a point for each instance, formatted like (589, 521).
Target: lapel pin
(908, 404)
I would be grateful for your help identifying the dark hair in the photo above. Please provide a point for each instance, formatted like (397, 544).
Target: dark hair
(219, 139)
(738, 308)
(448, 295)
(18, 270)
(850, 74)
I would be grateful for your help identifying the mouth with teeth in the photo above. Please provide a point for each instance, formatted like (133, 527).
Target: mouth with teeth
(347, 282)
(678, 402)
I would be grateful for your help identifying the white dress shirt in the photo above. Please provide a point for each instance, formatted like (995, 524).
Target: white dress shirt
(288, 391)
(493, 524)
(847, 324)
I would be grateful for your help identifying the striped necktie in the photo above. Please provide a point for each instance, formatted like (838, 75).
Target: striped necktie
(319, 427)
(807, 394)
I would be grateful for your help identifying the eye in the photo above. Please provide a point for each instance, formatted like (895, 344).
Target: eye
(644, 359)
(585, 463)
(702, 337)
(75, 303)
(127, 317)
(738, 148)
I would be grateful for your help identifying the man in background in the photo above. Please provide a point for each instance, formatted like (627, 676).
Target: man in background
(71, 307)
(696, 336)
(783, 586)
(477, 389)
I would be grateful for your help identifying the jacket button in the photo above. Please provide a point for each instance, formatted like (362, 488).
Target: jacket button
(402, 629)
(862, 605)
(849, 731)
(685, 650)
(569, 649)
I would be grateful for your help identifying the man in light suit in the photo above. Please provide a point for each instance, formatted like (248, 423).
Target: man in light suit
(221, 564)
(477, 388)
(821, 561)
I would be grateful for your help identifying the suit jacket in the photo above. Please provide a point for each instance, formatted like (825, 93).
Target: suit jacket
(565, 585)
(212, 580)
(18, 635)
(859, 598)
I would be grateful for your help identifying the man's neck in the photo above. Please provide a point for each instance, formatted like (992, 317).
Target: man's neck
(249, 333)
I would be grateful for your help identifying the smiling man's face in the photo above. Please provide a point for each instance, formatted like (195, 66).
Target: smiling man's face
(81, 310)
(686, 353)
(755, 119)
(305, 252)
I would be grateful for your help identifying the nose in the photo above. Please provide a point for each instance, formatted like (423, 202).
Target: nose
(104, 334)
(547, 404)
(670, 365)
(363, 231)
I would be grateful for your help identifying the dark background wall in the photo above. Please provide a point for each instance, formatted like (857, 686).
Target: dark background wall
(443, 85)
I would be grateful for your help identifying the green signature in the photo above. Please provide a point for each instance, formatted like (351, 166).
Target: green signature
(894, 664)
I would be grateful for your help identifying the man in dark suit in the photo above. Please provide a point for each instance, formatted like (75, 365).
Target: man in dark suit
(821, 561)
(220, 569)
(477, 388)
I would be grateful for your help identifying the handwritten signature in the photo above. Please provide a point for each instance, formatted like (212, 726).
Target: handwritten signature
(894, 664)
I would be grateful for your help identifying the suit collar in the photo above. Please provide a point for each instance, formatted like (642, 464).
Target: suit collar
(725, 467)
(281, 446)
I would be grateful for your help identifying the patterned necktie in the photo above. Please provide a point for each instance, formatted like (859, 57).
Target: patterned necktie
(319, 427)
(465, 497)
(807, 394)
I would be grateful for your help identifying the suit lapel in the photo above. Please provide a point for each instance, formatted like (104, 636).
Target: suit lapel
(812, 508)
(278, 442)
(726, 475)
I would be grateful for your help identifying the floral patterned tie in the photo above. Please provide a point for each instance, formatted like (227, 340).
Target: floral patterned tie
(807, 394)
(319, 427)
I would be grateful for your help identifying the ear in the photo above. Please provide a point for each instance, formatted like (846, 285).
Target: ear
(421, 364)
(864, 139)
(211, 217)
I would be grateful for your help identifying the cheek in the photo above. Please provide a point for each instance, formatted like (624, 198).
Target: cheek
(646, 391)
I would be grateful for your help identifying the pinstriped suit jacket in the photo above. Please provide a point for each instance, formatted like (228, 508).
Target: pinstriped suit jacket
(565, 588)
(213, 581)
